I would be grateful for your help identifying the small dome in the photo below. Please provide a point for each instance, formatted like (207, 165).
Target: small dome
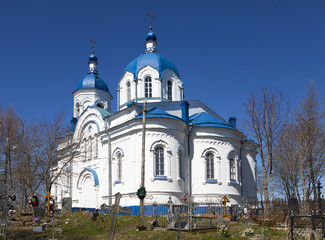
(154, 60)
(93, 58)
(151, 36)
(93, 81)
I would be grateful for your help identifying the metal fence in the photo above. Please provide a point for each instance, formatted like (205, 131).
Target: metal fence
(203, 216)
(307, 227)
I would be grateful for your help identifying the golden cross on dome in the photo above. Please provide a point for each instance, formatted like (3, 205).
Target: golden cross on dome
(151, 17)
(93, 45)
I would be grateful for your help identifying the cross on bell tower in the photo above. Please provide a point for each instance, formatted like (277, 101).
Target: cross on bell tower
(151, 18)
(93, 45)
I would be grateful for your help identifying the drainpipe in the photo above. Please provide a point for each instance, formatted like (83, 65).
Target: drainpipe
(241, 167)
(109, 159)
(189, 178)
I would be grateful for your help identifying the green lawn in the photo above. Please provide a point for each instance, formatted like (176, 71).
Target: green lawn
(79, 225)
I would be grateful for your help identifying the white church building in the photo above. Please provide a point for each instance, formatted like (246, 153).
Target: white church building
(189, 149)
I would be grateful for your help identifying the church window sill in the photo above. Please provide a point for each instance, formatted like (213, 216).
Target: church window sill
(232, 182)
(211, 181)
(181, 179)
(118, 182)
(161, 178)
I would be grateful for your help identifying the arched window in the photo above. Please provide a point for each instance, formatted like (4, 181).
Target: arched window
(100, 105)
(128, 91)
(232, 157)
(180, 164)
(209, 163)
(159, 161)
(77, 109)
(85, 148)
(119, 166)
(96, 146)
(148, 87)
(90, 150)
(232, 167)
(169, 90)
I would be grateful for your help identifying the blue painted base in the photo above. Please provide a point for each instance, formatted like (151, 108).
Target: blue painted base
(150, 210)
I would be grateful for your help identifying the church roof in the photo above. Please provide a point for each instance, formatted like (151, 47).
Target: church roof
(93, 81)
(103, 112)
(204, 119)
(158, 113)
(152, 59)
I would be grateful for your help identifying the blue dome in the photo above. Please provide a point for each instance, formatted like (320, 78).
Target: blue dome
(154, 60)
(93, 57)
(93, 81)
(151, 36)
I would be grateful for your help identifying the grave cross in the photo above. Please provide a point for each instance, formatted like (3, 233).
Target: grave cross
(48, 197)
(115, 209)
(224, 201)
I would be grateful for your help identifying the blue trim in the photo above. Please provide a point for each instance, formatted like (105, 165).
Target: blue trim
(150, 210)
(160, 177)
(117, 181)
(211, 181)
(94, 175)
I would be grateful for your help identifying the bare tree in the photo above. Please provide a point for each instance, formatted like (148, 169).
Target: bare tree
(311, 140)
(287, 171)
(266, 114)
(9, 140)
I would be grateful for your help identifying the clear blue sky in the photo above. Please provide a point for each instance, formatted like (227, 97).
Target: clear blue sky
(222, 49)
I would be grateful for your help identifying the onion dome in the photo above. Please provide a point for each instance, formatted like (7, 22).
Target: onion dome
(151, 58)
(92, 79)
(151, 36)
(155, 60)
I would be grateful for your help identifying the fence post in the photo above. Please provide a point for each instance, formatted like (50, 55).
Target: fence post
(291, 225)
(312, 237)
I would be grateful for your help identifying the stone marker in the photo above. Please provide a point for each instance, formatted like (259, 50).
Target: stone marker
(66, 204)
(39, 212)
(115, 209)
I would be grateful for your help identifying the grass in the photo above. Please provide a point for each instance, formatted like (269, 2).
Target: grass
(79, 226)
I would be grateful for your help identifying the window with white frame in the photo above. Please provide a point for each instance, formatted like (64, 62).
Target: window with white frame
(128, 91)
(96, 146)
(119, 166)
(170, 89)
(90, 148)
(232, 167)
(180, 164)
(148, 87)
(209, 165)
(232, 156)
(85, 145)
(159, 161)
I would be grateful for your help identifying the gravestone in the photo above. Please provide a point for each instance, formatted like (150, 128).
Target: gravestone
(115, 209)
(39, 212)
(170, 216)
(66, 204)
(293, 206)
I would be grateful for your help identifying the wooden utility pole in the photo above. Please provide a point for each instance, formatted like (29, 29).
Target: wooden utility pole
(144, 111)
